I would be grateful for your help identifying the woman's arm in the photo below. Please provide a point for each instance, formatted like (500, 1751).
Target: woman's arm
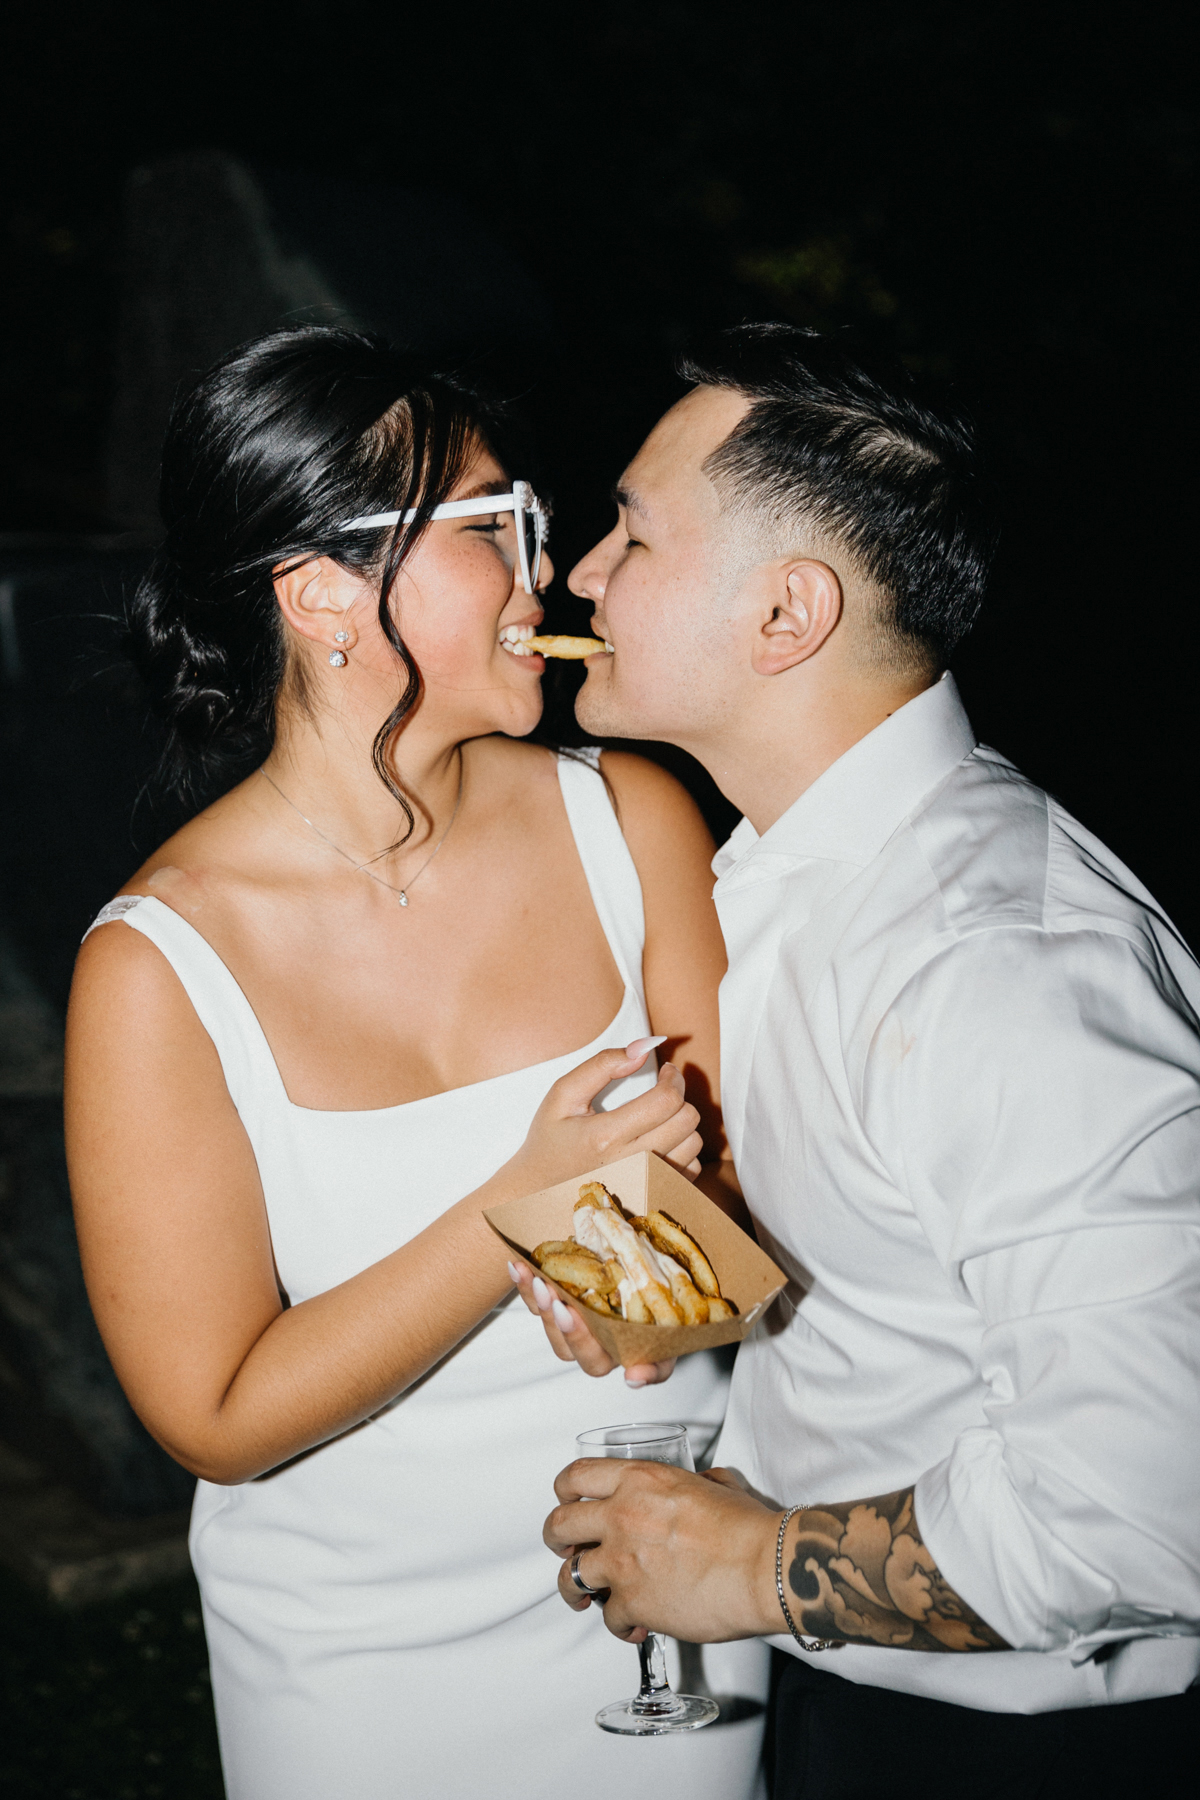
(682, 967)
(684, 957)
(176, 1247)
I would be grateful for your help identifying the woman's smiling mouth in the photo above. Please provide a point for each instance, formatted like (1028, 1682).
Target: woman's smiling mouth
(515, 637)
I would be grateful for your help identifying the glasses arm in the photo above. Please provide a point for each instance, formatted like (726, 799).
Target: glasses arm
(449, 509)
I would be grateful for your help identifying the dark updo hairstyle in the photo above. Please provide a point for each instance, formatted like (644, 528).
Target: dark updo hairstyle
(265, 459)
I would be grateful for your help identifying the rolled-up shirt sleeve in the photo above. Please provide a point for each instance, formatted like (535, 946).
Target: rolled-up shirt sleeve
(1036, 1097)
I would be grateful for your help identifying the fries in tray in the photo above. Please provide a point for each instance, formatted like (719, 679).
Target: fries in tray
(643, 1268)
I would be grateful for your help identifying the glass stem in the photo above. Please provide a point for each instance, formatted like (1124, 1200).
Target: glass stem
(654, 1694)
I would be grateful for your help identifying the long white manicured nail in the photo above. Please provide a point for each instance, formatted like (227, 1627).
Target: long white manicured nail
(513, 1274)
(563, 1317)
(642, 1047)
(542, 1294)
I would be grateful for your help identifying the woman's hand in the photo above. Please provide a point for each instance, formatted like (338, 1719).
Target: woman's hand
(567, 1136)
(569, 1337)
(565, 1126)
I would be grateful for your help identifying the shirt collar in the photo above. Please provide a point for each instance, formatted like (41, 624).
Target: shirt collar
(850, 812)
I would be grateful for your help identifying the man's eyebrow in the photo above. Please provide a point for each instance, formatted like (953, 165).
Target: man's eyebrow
(631, 501)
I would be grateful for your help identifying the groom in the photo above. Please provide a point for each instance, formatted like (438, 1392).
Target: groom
(961, 1080)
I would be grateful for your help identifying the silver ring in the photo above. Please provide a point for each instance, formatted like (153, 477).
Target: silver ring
(577, 1578)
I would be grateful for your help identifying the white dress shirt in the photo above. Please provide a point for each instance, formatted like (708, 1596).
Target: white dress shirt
(961, 1071)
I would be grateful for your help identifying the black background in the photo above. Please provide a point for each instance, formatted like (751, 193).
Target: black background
(1004, 191)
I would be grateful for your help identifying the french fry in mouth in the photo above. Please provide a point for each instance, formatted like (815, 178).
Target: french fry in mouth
(645, 1270)
(569, 647)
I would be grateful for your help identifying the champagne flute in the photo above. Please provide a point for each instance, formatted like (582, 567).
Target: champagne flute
(655, 1708)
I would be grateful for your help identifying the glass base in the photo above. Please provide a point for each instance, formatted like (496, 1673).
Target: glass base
(653, 1718)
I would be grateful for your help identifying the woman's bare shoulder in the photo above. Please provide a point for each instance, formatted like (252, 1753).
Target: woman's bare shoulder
(196, 867)
(126, 997)
(652, 801)
(216, 839)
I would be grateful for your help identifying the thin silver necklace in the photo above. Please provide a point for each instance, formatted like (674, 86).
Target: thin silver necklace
(400, 893)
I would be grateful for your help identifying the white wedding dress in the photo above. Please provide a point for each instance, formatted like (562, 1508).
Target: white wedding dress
(381, 1613)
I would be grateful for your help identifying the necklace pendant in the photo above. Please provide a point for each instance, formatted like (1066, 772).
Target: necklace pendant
(403, 898)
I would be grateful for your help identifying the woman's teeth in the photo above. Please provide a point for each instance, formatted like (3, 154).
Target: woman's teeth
(515, 637)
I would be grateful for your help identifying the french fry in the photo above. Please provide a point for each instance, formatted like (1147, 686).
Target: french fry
(572, 648)
(674, 1241)
(590, 1298)
(686, 1295)
(594, 1193)
(636, 1310)
(572, 1263)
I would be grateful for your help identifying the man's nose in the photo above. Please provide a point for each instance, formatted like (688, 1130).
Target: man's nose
(587, 579)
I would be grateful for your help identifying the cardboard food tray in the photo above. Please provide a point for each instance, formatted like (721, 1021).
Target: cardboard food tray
(645, 1183)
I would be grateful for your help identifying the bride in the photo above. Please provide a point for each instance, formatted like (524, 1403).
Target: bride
(373, 990)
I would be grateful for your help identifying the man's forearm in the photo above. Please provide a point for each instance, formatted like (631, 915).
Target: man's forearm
(862, 1573)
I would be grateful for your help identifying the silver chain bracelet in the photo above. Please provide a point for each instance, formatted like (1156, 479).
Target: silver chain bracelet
(805, 1643)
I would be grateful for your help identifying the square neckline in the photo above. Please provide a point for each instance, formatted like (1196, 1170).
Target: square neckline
(126, 905)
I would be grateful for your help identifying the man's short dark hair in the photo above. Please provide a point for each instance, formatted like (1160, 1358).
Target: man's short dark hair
(838, 439)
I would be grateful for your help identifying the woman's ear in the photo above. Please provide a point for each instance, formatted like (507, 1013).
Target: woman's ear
(315, 598)
(805, 602)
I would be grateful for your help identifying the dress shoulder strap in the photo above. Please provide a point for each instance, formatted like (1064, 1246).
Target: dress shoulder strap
(221, 1006)
(114, 909)
(610, 870)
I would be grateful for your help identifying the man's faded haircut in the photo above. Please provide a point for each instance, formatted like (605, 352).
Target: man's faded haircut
(839, 447)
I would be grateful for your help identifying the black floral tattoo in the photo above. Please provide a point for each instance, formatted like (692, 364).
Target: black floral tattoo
(863, 1574)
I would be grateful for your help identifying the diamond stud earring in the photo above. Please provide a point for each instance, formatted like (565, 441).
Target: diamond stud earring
(338, 658)
(341, 637)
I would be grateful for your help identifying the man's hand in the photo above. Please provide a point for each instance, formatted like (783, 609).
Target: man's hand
(692, 1555)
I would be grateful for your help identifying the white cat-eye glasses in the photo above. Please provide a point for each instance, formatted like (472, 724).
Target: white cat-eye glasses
(532, 522)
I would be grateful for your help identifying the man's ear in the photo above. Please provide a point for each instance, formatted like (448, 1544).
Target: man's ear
(316, 597)
(805, 603)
